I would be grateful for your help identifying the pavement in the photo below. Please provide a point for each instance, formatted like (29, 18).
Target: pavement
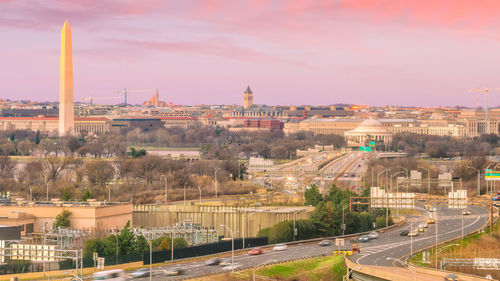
(375, 252)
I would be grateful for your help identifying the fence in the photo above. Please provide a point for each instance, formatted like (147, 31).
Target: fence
(205, 249)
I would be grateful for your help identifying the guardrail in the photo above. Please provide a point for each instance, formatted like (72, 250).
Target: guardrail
(425, 270)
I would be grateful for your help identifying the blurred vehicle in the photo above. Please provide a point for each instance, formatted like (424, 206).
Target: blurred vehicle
(111, 275)
(174, 271)
(451, 277)
(421, 229)
(225, 262)
(431, 221)
(466, 212)
(427, 207)
(373, 235)
(364, 238)
(325, 243)
(496, 198)
(346, 175)
(404, 233)
(141, 272)
(413, 234)
(280, 247)
(232, 266)
(213, 261)
(424, 225)
(432, 209)
(255, 251)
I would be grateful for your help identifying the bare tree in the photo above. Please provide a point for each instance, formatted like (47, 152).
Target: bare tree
(99, 172)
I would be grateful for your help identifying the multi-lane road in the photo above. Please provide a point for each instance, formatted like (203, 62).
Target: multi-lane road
(375, 252)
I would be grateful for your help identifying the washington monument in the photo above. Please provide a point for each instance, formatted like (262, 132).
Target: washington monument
(66, 111)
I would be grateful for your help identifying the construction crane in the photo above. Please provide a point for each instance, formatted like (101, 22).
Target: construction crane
(91, 99)
(125, 92)
(485, 90)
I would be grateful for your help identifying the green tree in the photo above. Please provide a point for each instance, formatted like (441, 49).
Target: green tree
(62, 220)
(305, 229)
(87, 194)
(126, 241)
(264, 232)
(66, 195)
(281, 232)
(312, 195)
(180, 242)
(137, 153)
(37, 137)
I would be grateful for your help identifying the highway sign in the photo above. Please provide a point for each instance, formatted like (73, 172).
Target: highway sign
(339, 242)
(457, 199)
(482, 263)
(100, 263)
(365, 148)
(372, 143)
(491, 175)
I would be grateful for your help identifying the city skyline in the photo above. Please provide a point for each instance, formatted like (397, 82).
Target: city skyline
(290, 52)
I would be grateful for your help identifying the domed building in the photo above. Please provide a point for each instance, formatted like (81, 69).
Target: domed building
(368, 130)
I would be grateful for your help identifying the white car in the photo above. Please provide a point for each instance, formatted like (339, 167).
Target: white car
(280, 247)
(373, 235)
(232, 266)
(424, 225)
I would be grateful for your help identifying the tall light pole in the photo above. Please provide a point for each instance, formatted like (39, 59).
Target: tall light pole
(428, 180)
(378, 176)
(166, 184)
(215, 180)
(148, 239)
(185, 192)
(48, 189)
(397, 191)
(411, 237)
(232, 245)
(199, 188)
(343, 222)
(405, 265)
(436, 222)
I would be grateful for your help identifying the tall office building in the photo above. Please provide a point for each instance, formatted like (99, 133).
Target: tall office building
(66, 110)
(247, 98)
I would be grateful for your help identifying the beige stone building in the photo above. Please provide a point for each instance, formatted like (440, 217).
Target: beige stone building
(83, 216)
(85, 125)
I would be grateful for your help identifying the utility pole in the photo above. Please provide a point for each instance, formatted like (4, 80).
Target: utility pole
(215, 181)
(166, 183)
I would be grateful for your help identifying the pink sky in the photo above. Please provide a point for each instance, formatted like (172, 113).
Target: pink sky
(376, 52)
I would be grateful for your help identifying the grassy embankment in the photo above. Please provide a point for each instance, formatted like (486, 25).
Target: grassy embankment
(479, 245)
(314, 269)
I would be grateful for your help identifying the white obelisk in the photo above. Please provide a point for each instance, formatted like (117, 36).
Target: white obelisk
(66, 110)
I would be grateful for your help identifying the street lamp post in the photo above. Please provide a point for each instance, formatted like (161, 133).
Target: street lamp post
(166, 184)
(232, 245)
(436, 222)
(215, 180)
(343, 221)
(48, 189)
(378, 176)
(405, 265)
(148, 240)
(397, 191)
(428, 180)
(199, 189)
(116, 234)
(185, 193)
(478, 180)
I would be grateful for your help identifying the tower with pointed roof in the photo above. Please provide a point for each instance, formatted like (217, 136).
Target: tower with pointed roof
(247, 98)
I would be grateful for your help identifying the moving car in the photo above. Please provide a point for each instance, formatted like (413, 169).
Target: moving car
(174, 271)
(432, 209)
(424, 225)
(213, 261)
(413, 234)
(325, 243)
(466, 212)
(256, 251)
(421, 229)
(451, 277)
(225, 262)
(142, 272)
(364, 238)
(373, 235)
(231, 266)
(404, 232)
(280, 247)
(431, 221)
(110, 275)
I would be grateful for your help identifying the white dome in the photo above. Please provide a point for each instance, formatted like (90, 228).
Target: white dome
(370, 126)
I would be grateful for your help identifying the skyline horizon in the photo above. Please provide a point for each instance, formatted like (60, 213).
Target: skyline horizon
(376, 56)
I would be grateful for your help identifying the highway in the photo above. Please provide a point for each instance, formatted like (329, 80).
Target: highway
(449, 225)
(374, 252)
